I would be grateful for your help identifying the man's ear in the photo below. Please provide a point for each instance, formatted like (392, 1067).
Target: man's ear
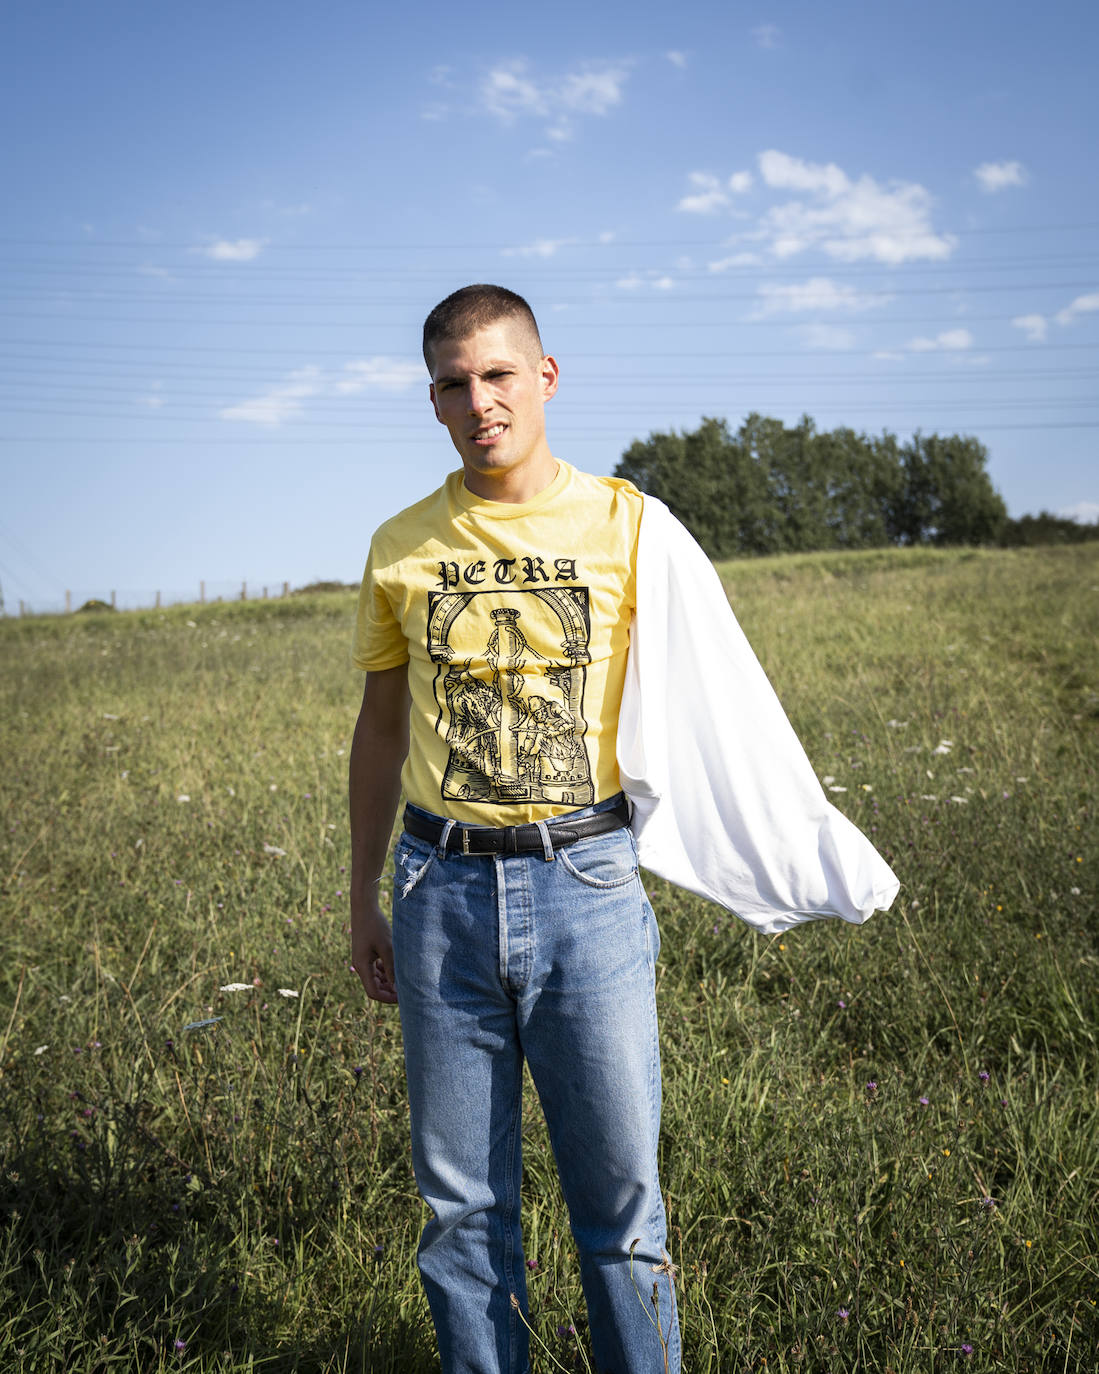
(550, 373)
(434, 402)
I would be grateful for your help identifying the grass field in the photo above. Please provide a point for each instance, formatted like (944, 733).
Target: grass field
(881, 1145)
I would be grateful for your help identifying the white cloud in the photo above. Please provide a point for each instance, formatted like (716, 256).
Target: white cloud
(593, 90)
(280, 403)
(676, 58)
(888, 356)
(997, 176)
(1086, 512)
(540, 248)
(818, 293)
(949, 340)
(767, 35)
(1082, 305)
(735, 260)
(234, 250)
(286, 400)
(793, 174)
(711, 193)
(386, 374)
(827, 336)
(1035, 326)
(635, 281)
(507, 92)
(707, 197)
(848, 219)
(154, 400)
(511, 91)
(607, 236)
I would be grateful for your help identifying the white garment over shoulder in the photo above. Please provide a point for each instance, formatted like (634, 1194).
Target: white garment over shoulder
(725, 802)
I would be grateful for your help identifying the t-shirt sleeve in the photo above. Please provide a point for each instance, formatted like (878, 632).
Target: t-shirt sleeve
(379, 640)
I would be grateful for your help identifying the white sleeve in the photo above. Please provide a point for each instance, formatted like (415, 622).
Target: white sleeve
(726, 803)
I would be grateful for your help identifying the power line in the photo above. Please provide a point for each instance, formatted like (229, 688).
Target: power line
(265, 441)
(716, 298)
(144, 350)
(147, 245)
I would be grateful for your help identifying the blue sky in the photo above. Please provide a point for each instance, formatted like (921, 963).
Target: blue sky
(225, 223)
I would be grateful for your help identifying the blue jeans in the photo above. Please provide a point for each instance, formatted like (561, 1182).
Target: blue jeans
(501, 959)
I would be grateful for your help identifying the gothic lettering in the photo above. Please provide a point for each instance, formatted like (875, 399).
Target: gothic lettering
(533, 569)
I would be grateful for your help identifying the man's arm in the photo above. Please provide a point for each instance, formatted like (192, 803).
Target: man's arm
(378, 750)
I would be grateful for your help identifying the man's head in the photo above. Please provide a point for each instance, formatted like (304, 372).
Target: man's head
(473, 308)
(489, 385)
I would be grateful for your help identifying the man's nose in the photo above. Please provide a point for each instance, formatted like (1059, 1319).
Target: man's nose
(479, 397)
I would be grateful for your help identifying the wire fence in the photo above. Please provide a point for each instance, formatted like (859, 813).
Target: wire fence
(131, 599)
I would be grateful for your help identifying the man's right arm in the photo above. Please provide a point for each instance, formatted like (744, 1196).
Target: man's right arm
(378, 751)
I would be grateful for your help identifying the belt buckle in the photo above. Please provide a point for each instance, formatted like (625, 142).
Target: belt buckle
(465, 839)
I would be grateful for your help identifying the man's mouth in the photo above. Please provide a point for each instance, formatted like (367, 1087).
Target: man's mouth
(489, 434)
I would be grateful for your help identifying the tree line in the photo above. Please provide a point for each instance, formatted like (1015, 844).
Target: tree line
(768, 488)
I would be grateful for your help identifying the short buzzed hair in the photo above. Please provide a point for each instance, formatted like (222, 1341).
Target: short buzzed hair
(471, 308)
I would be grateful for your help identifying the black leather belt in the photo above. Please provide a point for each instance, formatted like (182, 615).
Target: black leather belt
(518, 839)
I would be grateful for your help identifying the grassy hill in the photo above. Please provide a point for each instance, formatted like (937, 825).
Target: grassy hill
(881, 1144)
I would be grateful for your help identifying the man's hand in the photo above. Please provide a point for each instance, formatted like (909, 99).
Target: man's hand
(377, 752)
(372, 952)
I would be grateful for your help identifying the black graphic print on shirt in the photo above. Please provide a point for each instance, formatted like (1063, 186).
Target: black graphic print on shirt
(509, 685)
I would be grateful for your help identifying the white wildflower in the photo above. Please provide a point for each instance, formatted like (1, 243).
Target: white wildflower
(107, 716)
(896, 724)
(287, 992)
(962, 801)
(183, 797)
(944, 746)
(274, 849)
(236, 987)
(827, 779)
(41, 1049)
(836, 788)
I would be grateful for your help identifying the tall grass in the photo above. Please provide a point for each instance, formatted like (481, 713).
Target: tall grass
(881, 1145)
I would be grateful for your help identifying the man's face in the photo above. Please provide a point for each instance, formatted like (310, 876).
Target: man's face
(489, 389)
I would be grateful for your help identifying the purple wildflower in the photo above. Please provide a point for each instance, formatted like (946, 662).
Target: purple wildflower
(843, 1314)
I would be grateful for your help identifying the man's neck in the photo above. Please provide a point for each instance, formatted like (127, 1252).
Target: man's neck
(514, 485)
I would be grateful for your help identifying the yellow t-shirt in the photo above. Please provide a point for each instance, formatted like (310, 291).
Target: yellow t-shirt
(515, 622)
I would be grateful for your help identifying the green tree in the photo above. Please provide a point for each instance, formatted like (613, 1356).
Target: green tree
(948, 495)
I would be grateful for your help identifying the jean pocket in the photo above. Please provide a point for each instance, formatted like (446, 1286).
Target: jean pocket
(411, 860)
(603, 861)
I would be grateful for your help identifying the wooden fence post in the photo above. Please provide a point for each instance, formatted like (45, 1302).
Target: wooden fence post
(286, 589)
(113, 606)
(202, 593)
(158, 601)
(68, 601)
(244, 591)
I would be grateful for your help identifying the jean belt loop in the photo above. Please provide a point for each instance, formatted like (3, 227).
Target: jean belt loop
(547, 843)
(447, 828)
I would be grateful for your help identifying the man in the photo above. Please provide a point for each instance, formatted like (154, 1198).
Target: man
(494, 625)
